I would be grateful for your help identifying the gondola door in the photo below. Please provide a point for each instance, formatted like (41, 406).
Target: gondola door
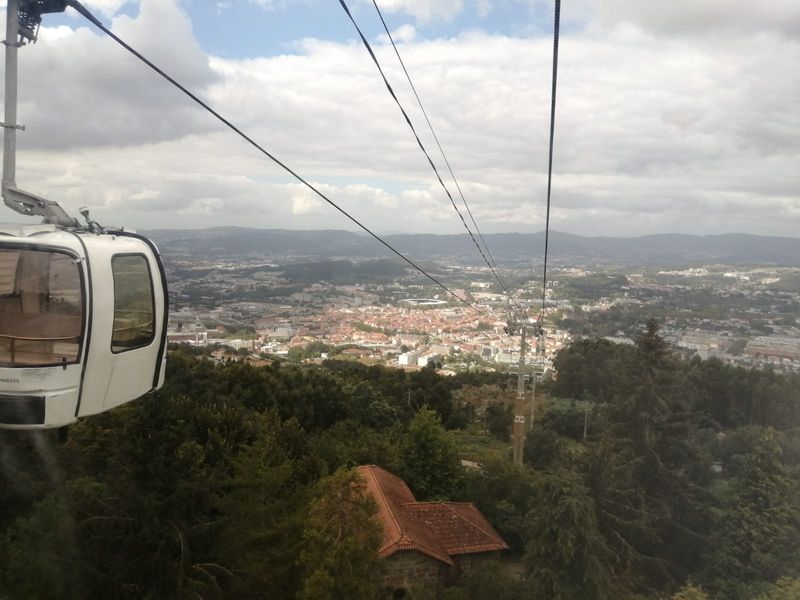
(127, 340)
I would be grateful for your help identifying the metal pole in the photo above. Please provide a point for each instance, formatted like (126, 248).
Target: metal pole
(521, 374)
(533, 399)
(519, 408)
(18, 200)
(585, 422)
(10, 124)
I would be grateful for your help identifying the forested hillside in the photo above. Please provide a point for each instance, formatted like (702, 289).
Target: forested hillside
(646, 477)
(664, 249)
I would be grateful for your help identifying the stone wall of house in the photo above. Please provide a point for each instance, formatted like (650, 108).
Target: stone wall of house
(466, 563)
(410, 569)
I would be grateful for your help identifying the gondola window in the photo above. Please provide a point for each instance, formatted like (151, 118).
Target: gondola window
(134, 304)
(41, 308)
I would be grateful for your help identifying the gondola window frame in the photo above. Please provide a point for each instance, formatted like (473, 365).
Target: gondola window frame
(116, 347)
(80, 337)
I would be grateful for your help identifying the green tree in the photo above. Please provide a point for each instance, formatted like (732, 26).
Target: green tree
(40, 556)
(349, 443)
(491, 581)
(503, 492)
(660, 519)
(368, 406)
(757, 535)
(262, 510)
(163, 462)
(295, 354)
(428, 388)
(584, 368)
(784, 589)
(651, 346)
(499, 418)
(545, 449)
(341, 539)
(429, 460)
(568, 421)
(690, 592)
(565, 555)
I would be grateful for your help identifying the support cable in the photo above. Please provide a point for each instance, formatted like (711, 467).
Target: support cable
(96, 22)
(556, 23)
(438, 143)
(420, 144)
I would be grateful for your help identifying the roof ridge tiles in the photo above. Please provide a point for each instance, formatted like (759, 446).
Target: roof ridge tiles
(370, 469)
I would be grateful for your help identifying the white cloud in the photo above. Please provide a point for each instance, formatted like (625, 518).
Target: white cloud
(107, 7)
(304, 201)
(483, 7)
(404, 33)
(269, 4)
(84, 89)
(425, 11)
(654, 132)
(693, 16)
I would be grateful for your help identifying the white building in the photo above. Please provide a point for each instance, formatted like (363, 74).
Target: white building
(426, 359)
(407, 359)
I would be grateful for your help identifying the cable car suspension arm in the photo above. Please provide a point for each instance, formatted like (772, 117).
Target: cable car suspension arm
(22, 25)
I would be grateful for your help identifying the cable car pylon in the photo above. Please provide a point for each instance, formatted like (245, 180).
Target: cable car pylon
(520, 323)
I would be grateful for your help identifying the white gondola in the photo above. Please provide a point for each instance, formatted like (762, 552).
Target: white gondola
(82, 323)
(83, 309)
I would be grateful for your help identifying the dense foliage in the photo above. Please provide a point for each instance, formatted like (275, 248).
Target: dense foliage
(646, 476)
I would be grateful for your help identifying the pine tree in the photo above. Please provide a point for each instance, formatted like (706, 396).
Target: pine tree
(565, 555)
(429, 458)
(341, 539)
(756, 539)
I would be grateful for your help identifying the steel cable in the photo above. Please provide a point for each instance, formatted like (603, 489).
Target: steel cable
(96, 22)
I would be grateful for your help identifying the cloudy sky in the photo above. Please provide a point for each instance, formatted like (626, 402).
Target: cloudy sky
(677, 116)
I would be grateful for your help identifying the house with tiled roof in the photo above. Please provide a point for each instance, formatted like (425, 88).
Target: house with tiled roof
(427, 544)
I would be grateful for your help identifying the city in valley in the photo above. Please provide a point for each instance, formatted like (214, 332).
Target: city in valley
(268, 305)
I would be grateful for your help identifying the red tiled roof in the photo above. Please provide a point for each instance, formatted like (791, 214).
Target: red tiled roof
(400, 530)
(459, 526)
(439, 529)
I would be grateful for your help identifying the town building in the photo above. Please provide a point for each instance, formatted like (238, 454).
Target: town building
(774, 347)
(431, 358)
(407, 359)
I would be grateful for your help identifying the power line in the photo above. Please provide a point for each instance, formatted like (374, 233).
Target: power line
(556, 23)
(419, 142)
(96, 22)
(435, 137)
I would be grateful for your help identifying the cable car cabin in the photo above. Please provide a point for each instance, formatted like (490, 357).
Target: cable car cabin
(82, 323)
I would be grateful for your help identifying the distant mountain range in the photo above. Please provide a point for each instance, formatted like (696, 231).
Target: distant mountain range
(510, 249)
